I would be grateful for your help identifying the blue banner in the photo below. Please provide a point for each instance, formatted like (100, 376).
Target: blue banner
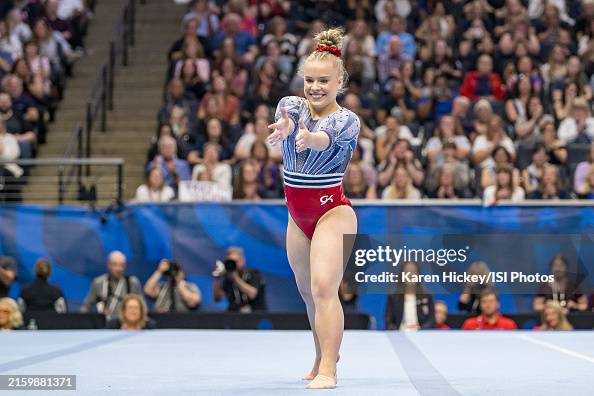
(77, 241)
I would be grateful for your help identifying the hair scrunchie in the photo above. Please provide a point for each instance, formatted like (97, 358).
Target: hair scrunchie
(329, 48)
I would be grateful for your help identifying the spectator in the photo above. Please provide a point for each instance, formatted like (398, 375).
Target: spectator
(8, 273)
(397, 28)
(108, 290)
(244, 43)
(388, 134)
(388, 67)
(484, 113)
(400, 154)
(212, 169)
(532, 175)
(556, 151)
(446, 133)
(40, 295)
(132, 316)
(176, 96)
(563, 289)
(170, 290)
(501, 158)
(504, 188)
(204, 12)
(469, 300)
(402, 186)
(246, 183)
(449, 185)
(551, 185)
(10, 316)
(484, 146)
(259, 132)
(553, 317)
(17, 126)
(154, 190)
(483, 83)
(411, 307)
(355, 185)
(10, 174)
(244, 287)
(228, 104)
(524, 111)
(269, 174)
(580, 180)
(579, 126)
(278, 33)
(217, 132)
(490, 318)
(587, 191)
(172, 168)
(441, 315)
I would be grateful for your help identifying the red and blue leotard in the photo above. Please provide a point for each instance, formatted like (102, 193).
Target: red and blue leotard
(313, 179)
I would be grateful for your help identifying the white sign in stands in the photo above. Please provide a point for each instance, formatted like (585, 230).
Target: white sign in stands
(196, 191)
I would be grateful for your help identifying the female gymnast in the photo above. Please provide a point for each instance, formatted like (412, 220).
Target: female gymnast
(317, 139)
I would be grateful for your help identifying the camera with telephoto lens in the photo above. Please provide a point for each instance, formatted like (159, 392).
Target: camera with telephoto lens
(173, 269)
(230, 265)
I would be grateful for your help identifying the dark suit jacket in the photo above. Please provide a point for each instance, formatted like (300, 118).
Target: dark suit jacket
(395, 311)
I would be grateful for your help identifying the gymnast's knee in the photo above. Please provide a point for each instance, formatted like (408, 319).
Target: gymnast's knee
(324, 289)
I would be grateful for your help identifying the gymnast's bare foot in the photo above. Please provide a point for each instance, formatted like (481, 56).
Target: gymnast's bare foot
(314, 370)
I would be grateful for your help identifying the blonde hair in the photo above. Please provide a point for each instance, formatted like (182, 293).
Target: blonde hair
(143, 309)
(15, 316)
(587, 187)
(561, 317)
(330, 37)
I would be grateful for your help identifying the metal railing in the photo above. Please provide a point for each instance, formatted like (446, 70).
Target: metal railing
(101, 97)
(56, 186)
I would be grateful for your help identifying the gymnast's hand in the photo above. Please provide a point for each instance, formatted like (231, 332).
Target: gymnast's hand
(282, 128)
(303, 138)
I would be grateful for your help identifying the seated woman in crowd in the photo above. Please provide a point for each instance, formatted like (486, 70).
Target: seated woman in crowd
(532, 175)
(10, 316)
(580, 180)
(411, 307)
(504, 188)
(269, 175)
(587, 191)
(155, 189)
(133, 315)
(551, 185)
(401, 186)
(355, 185)
(246, 183)
(553, 317)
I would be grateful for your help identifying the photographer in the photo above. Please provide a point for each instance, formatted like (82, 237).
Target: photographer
(167, 285)
(108, 290)
(244, 287)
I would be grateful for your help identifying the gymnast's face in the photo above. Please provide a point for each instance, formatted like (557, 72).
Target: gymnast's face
(321, 83)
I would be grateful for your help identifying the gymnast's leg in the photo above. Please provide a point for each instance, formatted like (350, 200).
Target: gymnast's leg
(327, 269)
(298, 248)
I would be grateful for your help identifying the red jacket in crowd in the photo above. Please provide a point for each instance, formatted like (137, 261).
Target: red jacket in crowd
(482, 323)
(471, 80)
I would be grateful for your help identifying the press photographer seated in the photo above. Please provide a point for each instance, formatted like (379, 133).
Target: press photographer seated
(170, 290)
(244, 287)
